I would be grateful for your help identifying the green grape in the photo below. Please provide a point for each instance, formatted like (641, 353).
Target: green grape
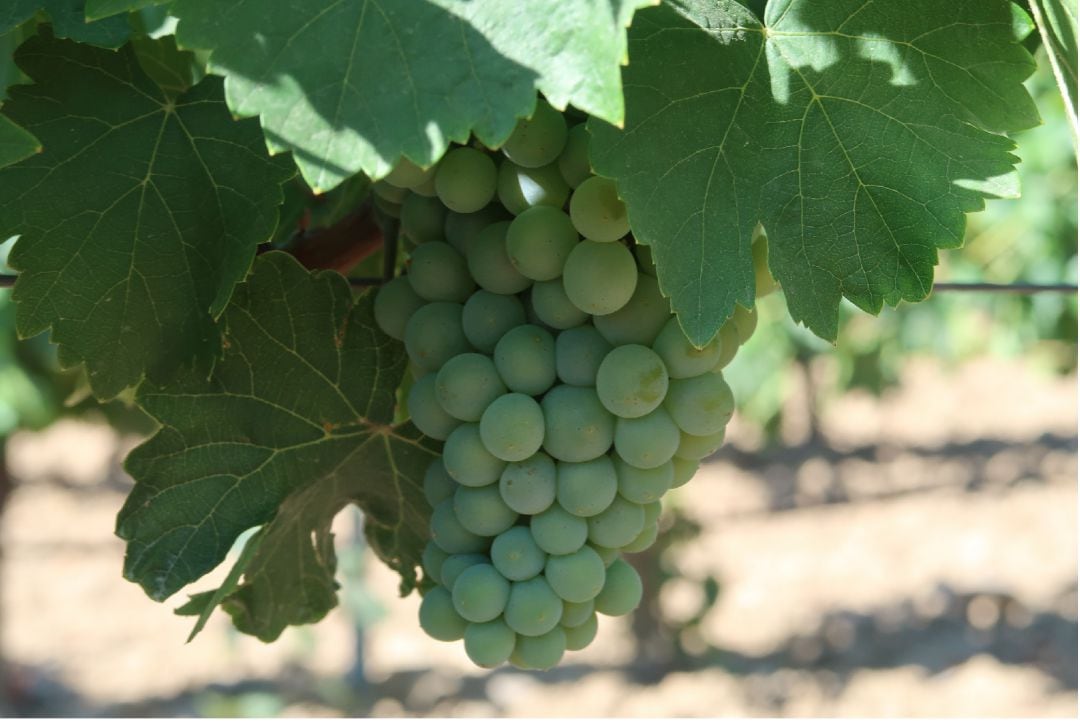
(395, 303)
(579, 637)
(644, 257)
(539, 241)
(467, 459)
(577, 577)
(643, 485)
(533, 607)
(519, 188)
(764, 283)
(465, 180)
(600, 278)
(700, 405)
(648, 441)
(680, 357)
(432, 560)
(597, 212)
(540, 652)
(631, 381)
(745, 322)
(538, 140)
(466, 385)
(553, 307)
(454, 565)
(586, 488)
(640, 321)
(728, 339)
(684, 471)
(489, 644)
(528, 487)
(652, 512)
(694, 447)
(489, 264)
(461, 228)
(448, 533)
(525, 358)
(618, 525)
(393, 210)
(622, 590)
(578, 353)
(438, 617)
(407, 174)
(512, 427)
(439, 273)
(434, 335)
(574, 614)
(480, 593)
(607, 554)
(422, 218)
(481, 510)
(559, 532)
(438, 485)
(644, 540)
(389, 192)
(426, 412)
(516, 556)
(574, 160)
(487, 317)
(577, 428)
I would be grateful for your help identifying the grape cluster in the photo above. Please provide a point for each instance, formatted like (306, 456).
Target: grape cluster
(569, 399)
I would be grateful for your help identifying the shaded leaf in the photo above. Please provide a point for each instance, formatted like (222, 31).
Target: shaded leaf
(16, 143)
(68, 21)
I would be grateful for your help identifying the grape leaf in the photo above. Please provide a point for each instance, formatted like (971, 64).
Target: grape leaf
(351, 86)
(1056, 21)
(138, 218)
(97, 9)
(68, 21)
(858, 132)
(293, 425)
(16, 143)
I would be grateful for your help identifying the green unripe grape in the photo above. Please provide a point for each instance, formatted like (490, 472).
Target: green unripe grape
(525, 358)
(529, 487)
(465, 180)
(461, 228)
(577, 577)
(480, 593)
(574, 160)
(407, 174)
(516, 555)
(632, 381)
(680, 357)
(694, 447)
(489, 264)
(512, 427)
(577, 428)
(395, 303)
(618, 525)
(533, 607)
(467, 384)
(487, 317)
(467, 460)
(537, 141)
(454, 565)
(558, 532)
(489, 644)
(644, 540)
(422, 218)
(438, 617)
(540, 652)
(648, 441)
(539, 241)
(434, 335)
(438, 485)
(586, 488)
(481, 510)
(432, 560)
(439, 273)
(520, 188)
(764, 283)
(640, 321)
(574, 614)
(579, 637)
(600, 277)
(597, 212)
(643, 485)
(607, 554)
(700, 405)
(652, 512)
(393, 210)
(389, 192)
(644, 257)
(448, 533)
(728, 339)
(578, 354)
(553, 307)
(745, 322)
(684, 471)
(622, 590)
(426, 412)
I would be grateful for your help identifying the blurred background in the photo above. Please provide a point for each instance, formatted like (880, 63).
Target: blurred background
(891, 529)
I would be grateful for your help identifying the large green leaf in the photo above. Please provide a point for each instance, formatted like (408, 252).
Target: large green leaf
(16, 143)
(351, 86)
(68, 21)
(293, 425)
(859, 132)
(97, 9)
(139, 216)
(1056, 20)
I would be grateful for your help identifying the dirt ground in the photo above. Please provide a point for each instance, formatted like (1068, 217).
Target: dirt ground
(920, 558)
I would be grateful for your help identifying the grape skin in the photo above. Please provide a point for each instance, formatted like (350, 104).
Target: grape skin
(643, 485)
(525, 358)
(539, 241)
(521, 188)
(574, 161)
(640, 320)
(647, 441)
(489, 644)
(454, 565)
(699, 447)
(407, 174)
(465, 180)
(512, 427)
(578, 354)
(438, 617)
(426, 412)
(622, 590)
(395, 303)
(437, 272)
(618, 525)
(461, 228)
(448, 533)
(466, 385)
(577, 427)
(481, 510)
(489, 264)
(597, 212)
(487, 317)
(558, 532)
(480, 593)
(575, 614)
(579, 637)
(682, 359)
(700, 405)
(529, 487)
(516, 555)
(577, 577)
(644, 540)
(431, 560)
(684, 471)
(538, 140)
(553, 307)
(631, 381)
(438, 485)
(586, 488)
(434, 335)
(467, 459)
(422, 218)
(599, 278)
(539, 652)
(533, 608)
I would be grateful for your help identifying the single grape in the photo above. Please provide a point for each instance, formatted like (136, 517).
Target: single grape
(512, 427)
(426, 412)
(618, 525)
(643, 485)
(438, 617)
(640, 321)
(607, 554)
(461, 228)
(577, 577)
(487, 317)
(577, 428)
(652, 512)
(539, 241)
(632, 381)
(481, 510)
(694, 447)
(578, 354)
(537, 140)
(529, 487)
(389, 192)
(438, 485)
(432, 560)
(597, 212)
(467, 384)
(439, 273)
(395, 303)
(539, 652)
(574, 160)
(648, 441)
(586, 488)
(682, 359)
(407, 174)
(553, 307)
(574, 614)
(622, 590)
(764, 282)
(519, 188)
(454, 565)
(480, 593)
(434, 335)
(684, 471)
(489, 264)
(448, 533)
(525, 358)
(745, 322)
(559, 532)
(700, 405)
(533, 607)
(489, 644)
(465, 180)
(578, 638)
(644, 257)
(516, 556)
(467, 459)
(422, 218)
(599, 278)
(427, 187)
(644, 540)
